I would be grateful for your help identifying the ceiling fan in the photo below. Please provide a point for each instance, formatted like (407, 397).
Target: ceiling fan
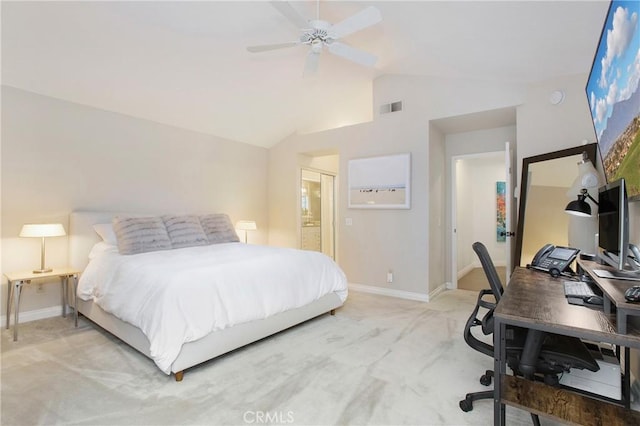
(318, 34)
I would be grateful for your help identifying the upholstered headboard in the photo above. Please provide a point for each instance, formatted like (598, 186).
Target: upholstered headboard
(82, 236)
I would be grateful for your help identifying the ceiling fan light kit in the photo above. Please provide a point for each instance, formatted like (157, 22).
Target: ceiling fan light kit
(318, 33)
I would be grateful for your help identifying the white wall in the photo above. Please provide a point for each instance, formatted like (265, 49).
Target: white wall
(437, 212)
(401, 239)
(463, 219)
(386, 231)
(543, 127)
(59, 156)
(406, 241)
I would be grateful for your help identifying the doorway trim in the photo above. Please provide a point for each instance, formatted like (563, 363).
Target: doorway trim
(334, 211)
(453, 284)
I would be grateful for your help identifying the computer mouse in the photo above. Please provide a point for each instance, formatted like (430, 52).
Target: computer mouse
(632, 294)
(594, 300)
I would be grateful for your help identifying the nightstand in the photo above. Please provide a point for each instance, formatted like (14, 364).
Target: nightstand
(17, 280)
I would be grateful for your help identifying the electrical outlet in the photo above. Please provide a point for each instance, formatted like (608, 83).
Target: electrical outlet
(39, 288)
(390, 276)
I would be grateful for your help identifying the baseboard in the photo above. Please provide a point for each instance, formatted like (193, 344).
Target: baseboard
(37, 314)
(464, 271)
(440, 289)
(401, 294)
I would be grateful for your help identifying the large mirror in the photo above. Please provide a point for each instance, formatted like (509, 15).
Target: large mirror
(545, 181)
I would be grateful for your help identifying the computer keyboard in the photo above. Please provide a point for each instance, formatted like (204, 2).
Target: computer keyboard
(577, 289)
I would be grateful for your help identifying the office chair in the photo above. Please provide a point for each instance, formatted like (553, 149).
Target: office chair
(530, 353)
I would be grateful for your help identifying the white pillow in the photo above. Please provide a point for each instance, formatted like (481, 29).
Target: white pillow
(100, 248)
(106, 232)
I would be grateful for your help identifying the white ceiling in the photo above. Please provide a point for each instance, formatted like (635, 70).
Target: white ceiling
(185, 63)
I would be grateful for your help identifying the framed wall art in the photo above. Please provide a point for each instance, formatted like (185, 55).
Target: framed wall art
(501, 212)
(380, 182)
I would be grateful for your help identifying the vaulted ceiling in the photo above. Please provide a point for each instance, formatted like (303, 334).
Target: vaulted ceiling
(186, 63)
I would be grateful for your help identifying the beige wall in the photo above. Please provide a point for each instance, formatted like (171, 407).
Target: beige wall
(387, 246)
(437, 209)
(412, 242)
(406, 241)
(58, 157)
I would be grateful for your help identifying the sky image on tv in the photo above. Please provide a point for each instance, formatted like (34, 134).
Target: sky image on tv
(614, 98)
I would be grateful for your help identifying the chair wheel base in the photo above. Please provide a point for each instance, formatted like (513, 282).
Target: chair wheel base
(466, 405)
(485, 380)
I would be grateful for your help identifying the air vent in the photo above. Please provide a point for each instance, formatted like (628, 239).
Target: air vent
(392, 107)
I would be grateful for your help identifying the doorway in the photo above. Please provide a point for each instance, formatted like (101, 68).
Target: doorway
(481, 211)
(317, 212)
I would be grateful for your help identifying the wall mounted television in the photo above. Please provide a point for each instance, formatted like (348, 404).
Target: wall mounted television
(614, 98)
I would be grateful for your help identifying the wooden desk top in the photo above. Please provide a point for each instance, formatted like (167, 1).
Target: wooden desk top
(534, 299)
(613, 289)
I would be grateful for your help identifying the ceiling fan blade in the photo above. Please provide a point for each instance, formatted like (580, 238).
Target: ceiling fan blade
(363, 19)
(351, 53)
(265, 47)
(291, 14)
(311, 64)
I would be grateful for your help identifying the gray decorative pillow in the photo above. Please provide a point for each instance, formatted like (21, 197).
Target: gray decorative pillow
(140, 234)
(218, 228)
(185, 231)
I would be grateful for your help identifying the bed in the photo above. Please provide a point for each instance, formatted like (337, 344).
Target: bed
(236, 328)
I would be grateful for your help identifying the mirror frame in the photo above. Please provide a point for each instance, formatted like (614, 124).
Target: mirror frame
(591, 150)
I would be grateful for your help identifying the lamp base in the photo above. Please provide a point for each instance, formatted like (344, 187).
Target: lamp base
(42, 271)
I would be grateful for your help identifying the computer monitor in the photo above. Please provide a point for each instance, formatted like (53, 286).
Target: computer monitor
(613, 224)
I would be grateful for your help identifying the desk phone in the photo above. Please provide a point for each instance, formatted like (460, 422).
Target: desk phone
(554, 259)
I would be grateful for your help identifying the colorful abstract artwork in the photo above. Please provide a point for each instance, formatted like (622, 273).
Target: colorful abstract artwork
(501, 212)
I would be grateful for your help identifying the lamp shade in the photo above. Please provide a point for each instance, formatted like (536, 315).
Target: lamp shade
(588, 177)
(578, 207)
(246, 225)
(41, 230)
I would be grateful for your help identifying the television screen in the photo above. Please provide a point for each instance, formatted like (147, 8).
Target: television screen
(614, 98)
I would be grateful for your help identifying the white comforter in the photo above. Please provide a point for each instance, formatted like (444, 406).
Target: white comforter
(178, 296)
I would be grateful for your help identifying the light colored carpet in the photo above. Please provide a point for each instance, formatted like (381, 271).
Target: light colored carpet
(379, 360)
(476, 280)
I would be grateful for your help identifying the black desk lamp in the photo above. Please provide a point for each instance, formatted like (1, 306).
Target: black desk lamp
(580, 207)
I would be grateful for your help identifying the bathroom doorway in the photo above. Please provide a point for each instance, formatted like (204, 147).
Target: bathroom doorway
(317, 212)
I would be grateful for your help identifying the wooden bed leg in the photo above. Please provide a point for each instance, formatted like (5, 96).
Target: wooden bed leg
(179, 376)
(332, 312)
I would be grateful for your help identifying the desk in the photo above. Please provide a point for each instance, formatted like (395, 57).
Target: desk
(613, 292)
(536, 300)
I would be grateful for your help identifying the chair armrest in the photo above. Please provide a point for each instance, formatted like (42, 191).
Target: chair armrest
(485, 303)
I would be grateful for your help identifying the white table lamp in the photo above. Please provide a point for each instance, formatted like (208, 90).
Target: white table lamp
(246, 225)
(42, 230)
